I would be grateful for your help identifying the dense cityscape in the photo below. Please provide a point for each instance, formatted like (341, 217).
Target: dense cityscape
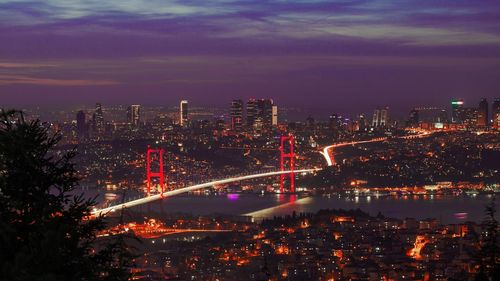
(427, 156)
(210, 143)
(244, 140)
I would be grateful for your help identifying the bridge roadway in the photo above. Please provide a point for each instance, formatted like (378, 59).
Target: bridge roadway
(155, 197)
(330, 160)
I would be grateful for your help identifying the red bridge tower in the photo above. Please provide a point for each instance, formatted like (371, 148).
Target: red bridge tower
(151, 153)
(290, 165)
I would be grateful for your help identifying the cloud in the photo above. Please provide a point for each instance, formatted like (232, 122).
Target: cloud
(18, 79)
(24, 65)
(417, 36)
(94, 28)
(218, 69)
(74, 9)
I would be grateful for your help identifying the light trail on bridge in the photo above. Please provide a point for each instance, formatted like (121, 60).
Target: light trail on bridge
(330, 160)
(160, 196)
(328, 157)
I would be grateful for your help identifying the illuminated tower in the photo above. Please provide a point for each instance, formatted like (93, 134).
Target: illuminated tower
(362, 123)
(482, 114)
(236, 115)
(413, 119)
(274, 120)
(469, 117)
(134, 115)
(495, 112)
(183, 118)
(384, 119)
(81, 125)
(375, 118)
(260, 113)
(251, 112)
(457, 111)
(380, 117)
(290, 165)
(266, 111)
(98, 119)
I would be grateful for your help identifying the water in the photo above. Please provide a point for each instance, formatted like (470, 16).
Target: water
(443, 207)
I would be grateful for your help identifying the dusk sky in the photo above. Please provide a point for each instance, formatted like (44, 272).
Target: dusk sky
(339, 55)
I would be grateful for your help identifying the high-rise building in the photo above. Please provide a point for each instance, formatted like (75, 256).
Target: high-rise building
(335, 122)
(413, 119)
(134, 115)
(236, 115)
(457, 111)
(251, 112)
(266, 106)
(470, 115)
(442, 116)
(310, 122)
(274, 116)
(98, 119)
(495, 113)
(184, 114)
(375, 118)
(482, 114)
(361, 123)
(260, 113)
(81, 125)
(380, 117)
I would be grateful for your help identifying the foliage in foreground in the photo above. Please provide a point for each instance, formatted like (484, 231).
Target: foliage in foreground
(45, 230)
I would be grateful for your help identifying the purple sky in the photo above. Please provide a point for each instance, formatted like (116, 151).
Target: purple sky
(343, 56)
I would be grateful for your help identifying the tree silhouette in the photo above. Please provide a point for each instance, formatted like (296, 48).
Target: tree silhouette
(489, 267)
(45, 231)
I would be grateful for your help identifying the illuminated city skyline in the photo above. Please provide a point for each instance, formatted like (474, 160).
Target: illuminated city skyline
(249, 140)
(337, 54)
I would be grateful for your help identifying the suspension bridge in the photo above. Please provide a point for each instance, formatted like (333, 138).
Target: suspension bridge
(287, 156)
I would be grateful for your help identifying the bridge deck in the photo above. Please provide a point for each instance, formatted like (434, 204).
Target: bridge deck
(155, 197)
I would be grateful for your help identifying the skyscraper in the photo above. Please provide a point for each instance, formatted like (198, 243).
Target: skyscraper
(98, 119)
(184, 114)
(335, 121)
(266, 106)
(457, 111)
(260, 113)
(380, 117)
(236, 115)
(251, 112)
(134, 115)
(442, 116)
(482, 114)
(495, 112)
(81, 125)
(375, 118)
(275, 115)
(361, 123)
(470, 117)
(413, 119)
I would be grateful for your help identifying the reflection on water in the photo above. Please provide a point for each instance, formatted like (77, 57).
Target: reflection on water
(270, 212)
(443, 207)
